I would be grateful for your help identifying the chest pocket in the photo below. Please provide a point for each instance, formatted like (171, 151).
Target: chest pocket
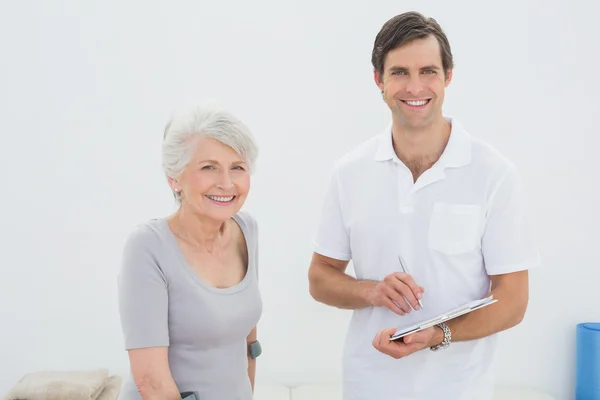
(454, 228)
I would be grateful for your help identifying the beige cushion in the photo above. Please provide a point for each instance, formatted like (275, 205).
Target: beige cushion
(66, 385)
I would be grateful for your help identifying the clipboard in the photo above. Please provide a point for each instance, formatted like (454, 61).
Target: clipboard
(456, 312)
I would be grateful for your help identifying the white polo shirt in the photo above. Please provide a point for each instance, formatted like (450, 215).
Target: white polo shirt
(463, 220)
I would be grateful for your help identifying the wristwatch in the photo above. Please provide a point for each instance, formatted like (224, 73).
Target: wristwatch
(447, 338)
(254, 349)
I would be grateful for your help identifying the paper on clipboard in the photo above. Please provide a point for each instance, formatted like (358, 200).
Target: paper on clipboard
(458, 311)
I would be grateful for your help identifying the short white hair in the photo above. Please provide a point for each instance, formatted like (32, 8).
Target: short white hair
(209, 120)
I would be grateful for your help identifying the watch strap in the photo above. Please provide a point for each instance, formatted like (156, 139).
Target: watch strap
(447, 337)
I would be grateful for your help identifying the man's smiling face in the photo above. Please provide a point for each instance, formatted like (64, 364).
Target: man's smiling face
(413, 82)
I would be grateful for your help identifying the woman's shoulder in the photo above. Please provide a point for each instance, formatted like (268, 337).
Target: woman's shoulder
(144, 249)
(145, 235)
(247, 222)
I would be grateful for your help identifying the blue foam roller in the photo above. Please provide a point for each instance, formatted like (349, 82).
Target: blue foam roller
(587, 376)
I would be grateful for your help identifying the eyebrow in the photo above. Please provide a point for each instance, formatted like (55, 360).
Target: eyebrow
(216, 162)
(399, 68)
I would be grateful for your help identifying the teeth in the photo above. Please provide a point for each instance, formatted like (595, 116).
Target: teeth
(417, 103)
(221, 199)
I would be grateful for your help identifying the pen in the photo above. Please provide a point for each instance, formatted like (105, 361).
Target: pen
(405, 270)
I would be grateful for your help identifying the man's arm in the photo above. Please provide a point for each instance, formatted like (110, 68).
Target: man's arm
(329, 284)
(512, 292)
(251, 361)
(508, 248)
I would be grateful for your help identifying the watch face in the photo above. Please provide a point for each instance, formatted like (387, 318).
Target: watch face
(255, 349)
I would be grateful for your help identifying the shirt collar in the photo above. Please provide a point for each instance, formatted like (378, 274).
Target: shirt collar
(456, 154)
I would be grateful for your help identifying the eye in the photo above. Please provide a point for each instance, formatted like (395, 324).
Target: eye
(208, 167)
(398, 72)
(430, 71)
(239, 168)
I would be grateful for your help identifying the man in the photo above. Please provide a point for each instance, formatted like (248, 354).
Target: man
(451, 206)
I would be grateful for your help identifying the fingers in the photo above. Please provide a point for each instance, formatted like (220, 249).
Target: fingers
(399, 293)
(395, 349)
(413, 338)
(421, 337)
(393, 306)
(386, 334)
(405, 284)
(387, 297)
(377, 339)
(395, 299)
(382, 337)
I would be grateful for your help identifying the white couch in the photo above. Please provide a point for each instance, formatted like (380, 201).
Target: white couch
(333, 391)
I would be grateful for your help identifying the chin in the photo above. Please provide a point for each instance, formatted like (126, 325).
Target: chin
(416, 123)
(215, 213)
(218, 216)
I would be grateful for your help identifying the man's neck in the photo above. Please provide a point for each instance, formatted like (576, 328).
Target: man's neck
(423, 142)
(419, 149)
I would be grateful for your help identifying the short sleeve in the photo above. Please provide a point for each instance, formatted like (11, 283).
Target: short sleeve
(332, 239)
(143, 296)
(508, 243)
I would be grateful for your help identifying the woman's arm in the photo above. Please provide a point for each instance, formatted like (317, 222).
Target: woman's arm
(144, 311)
(152, 375)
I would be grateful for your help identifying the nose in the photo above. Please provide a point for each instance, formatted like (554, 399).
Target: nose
(225, 183)
(414, 86)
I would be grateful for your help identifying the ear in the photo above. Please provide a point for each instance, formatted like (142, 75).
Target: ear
(173, 184)
(448, 78)
(378, 79)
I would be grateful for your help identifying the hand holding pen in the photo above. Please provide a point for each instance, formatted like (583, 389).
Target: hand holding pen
(405, 270)
(398, 292)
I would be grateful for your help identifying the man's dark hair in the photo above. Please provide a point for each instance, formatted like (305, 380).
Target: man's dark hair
(405, 28)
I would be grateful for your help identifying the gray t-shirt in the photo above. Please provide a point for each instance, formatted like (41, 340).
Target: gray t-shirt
(163, 302)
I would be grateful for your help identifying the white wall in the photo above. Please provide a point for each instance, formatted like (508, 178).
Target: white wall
(85, 90)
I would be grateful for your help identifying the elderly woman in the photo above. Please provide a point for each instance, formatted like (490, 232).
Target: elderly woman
(188, 295)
